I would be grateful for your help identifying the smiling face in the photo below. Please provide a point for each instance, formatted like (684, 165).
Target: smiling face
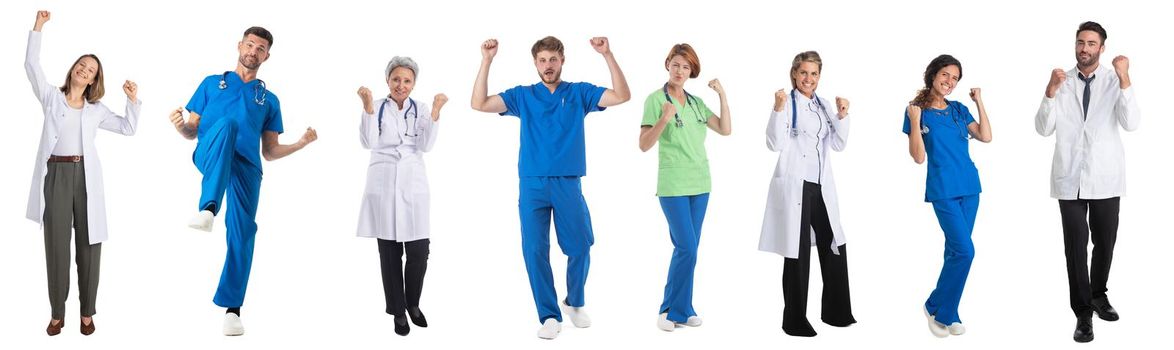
(805, 78)
(84, 72)
(1089, 47)
(254, 50)
(549, 65)
(945, 80)
(401, 82)
(679, 70)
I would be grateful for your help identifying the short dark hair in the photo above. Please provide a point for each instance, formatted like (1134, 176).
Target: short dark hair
(1093, 26)
(549, 43)
(260, 33)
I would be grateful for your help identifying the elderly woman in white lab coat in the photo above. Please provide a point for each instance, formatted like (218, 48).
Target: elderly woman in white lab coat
(801, 208)
(398, 130)
(66, 194)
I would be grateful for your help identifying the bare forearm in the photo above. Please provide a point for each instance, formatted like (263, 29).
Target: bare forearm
(916, 143)
(619, 83)
(277, 151)
(649, 135)
(984, 125)
(725, 126)
(481, 86)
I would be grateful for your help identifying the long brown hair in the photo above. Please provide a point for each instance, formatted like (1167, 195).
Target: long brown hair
(94, 91)
(923, 96)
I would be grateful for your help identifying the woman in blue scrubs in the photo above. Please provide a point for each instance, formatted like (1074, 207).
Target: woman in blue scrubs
(951, 182)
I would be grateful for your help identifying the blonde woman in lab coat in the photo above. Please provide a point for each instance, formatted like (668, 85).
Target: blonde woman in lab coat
(801, 208)
(66, 193)
(398, 130)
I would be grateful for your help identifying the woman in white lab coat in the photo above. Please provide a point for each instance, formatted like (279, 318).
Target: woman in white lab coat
(801, 208)
(398, 130)
(66, 193)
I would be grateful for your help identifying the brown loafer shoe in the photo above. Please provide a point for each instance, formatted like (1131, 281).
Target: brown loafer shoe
(88, 329)
(54, 329)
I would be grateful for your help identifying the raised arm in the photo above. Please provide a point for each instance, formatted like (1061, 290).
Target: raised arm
(32, 60)
(431, 126)
(650, 134)
(619, 92)
(720, 124)
(840, 125)
(368, 121)
(777, 126)
(1125, 109)
(916, 143)
(980, 130)
(272, 150)
(1045, 117)
(126, 125)
(481, 100)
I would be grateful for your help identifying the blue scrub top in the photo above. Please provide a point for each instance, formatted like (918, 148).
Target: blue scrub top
(950, 173)
(238, 101)
(552, 142)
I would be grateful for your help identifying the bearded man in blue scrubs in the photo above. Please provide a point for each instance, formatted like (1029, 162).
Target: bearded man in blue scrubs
(551, 159)
(235, 120)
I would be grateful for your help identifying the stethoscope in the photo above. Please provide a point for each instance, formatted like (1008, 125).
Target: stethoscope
(817, 107)
(688, 101)
(965, 134)
(411, 109)
(258, 90)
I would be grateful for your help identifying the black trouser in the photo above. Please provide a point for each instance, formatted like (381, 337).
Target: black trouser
(836, 304)
(402, 286)
(1079, 217)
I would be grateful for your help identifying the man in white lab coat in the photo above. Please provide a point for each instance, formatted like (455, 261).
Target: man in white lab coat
(1086, 107)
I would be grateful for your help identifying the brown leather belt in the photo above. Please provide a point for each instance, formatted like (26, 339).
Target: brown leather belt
(65, 159)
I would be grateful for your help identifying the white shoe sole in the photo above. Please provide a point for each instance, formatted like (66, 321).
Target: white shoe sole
(935, 328)
(578, 317)
(662, 322)
(232, 325)
(202, 221)
(550, 332)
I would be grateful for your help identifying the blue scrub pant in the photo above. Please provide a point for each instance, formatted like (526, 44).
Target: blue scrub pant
(956, 216)
(538, 198)
(685, 215)
(225, 171)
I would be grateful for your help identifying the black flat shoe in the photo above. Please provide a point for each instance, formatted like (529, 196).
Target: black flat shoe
(417, 317)
(799, 329)
(1083, 333)
(1104, 310)
(401, 325)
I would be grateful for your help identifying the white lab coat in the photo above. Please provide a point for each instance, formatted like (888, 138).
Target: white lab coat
(94, 116)
(396, 199)
(1089, 159)
(784, 204)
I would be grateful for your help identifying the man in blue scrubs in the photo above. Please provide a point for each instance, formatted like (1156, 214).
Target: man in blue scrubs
(232, 115)
(551, 160)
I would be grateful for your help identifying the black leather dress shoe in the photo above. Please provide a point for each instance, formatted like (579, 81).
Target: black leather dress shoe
(1104, 310)
(417, 317)
(401, 325)
(1083, 333)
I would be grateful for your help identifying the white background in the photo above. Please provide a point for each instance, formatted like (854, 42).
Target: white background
(316, 285)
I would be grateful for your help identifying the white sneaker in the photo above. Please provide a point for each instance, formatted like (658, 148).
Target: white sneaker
(664, 324)
(936, 328)
(956, 328)
(550, 329)
(202, 221)
(232, 325)
(693, 321)
(578, 316)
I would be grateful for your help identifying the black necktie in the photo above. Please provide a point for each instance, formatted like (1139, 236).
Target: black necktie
(1087, 91)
